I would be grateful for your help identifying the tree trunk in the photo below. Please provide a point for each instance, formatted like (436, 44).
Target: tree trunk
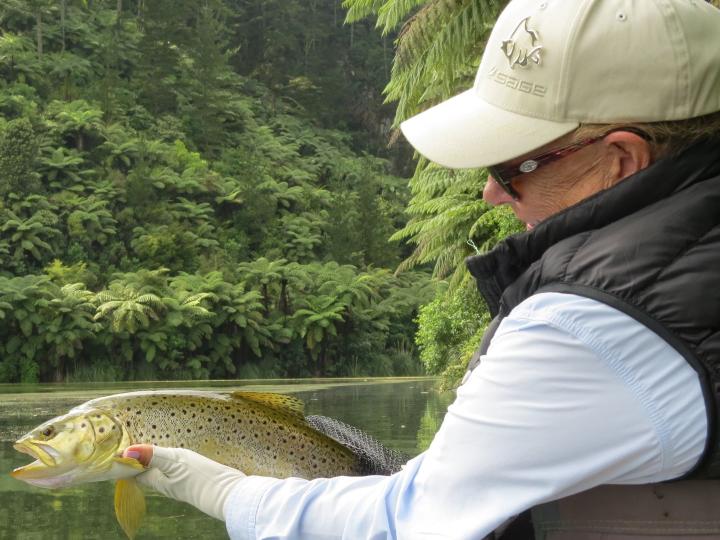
(63, 9)
(119, 9)
(321, 361)
(284, 299)
(39, 32)
(265, 298)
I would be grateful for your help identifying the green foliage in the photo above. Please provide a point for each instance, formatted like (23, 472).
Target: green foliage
(18, 150)
(450, 330)
(436, 57)
(173, 203)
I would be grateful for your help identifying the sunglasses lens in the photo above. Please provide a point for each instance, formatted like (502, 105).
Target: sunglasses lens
(500, 181)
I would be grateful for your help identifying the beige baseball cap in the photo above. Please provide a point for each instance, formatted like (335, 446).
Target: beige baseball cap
(550, 65)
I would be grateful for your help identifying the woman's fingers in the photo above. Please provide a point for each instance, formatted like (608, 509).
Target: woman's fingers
(142, 452)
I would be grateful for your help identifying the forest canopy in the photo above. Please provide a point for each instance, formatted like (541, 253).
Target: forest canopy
(199, 190)
(192, 190)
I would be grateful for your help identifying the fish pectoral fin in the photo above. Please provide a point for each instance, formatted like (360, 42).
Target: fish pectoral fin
(129, 505)
(130, 462)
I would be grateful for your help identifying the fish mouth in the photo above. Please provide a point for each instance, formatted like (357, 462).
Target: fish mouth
(46, 458)
(44, 452)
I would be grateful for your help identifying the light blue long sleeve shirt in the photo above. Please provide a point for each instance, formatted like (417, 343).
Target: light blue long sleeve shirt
(570, 395)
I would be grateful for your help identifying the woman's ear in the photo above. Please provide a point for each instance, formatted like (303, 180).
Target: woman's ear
(629, 152)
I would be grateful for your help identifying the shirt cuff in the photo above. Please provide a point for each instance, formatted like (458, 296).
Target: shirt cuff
(242, 505)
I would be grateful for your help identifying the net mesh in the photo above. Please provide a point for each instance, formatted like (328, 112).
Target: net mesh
(374, 457)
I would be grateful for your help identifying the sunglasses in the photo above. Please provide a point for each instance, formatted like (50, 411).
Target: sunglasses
(504, 176)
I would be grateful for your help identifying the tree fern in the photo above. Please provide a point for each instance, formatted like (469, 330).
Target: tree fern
(437, 54)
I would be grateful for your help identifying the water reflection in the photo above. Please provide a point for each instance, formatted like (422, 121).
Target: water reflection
(403, 414)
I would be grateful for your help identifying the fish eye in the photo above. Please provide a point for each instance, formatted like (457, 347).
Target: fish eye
(48, 431)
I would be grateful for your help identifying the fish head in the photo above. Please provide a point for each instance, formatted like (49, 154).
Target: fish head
(71, 449)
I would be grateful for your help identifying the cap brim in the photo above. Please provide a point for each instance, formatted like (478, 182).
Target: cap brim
(467, 132)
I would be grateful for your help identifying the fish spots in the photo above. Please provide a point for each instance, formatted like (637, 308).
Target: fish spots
(154, 426)
(172, 413)
(189, 430)
(154, 402)
(138, 412)
(101, 430)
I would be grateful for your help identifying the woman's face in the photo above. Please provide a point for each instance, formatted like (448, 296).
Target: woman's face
(563, 183)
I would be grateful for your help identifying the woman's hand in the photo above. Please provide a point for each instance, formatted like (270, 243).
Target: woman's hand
(186, 476)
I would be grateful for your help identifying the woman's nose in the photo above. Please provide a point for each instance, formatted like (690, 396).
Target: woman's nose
(494, 195)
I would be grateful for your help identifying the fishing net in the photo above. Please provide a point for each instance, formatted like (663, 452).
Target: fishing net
(374, 457)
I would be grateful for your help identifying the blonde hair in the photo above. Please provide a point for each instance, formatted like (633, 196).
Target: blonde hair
(665, 138)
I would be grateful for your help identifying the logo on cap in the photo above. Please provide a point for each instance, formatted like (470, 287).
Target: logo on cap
(522, 45)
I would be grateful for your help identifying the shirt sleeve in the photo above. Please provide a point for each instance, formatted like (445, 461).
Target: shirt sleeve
(571, 394)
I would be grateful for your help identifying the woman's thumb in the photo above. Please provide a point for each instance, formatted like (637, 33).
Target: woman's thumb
(142, 452)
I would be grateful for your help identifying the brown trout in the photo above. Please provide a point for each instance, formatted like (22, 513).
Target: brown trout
(258, 433)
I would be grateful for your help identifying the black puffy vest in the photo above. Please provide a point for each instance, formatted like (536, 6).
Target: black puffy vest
(649, 246)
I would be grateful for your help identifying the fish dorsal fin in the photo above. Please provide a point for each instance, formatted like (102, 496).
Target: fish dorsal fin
(280, 402)
(129, 506)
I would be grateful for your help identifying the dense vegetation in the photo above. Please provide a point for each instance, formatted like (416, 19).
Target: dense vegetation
(204, 189)
(437, 54)
(189, 190)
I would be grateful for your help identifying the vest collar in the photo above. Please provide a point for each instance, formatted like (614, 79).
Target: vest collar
(497, 269)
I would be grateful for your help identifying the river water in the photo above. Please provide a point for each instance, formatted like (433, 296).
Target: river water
(404, 414)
